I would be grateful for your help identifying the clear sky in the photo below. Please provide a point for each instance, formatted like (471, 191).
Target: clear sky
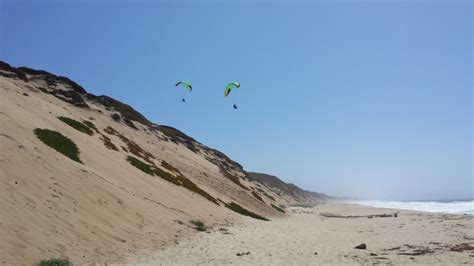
(349, 98)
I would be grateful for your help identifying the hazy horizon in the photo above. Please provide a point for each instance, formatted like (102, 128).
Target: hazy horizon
(356, 99)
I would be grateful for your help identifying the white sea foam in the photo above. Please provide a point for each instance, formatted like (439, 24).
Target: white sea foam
(455, 207)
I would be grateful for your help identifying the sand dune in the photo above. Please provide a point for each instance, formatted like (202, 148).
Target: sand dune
(102, 207)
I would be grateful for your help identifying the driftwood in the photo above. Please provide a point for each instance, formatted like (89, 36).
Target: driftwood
(384, 215)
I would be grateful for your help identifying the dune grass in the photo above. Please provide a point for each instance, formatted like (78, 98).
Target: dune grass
(169, 167)
(199, 225)
(278, 208)
(140, 165)
(108, 143)
(55, 262)
(239, 209)
(179, 180)
(90, 125)
(77, 125)
(257, 196)
(59, 142)
(133, 147)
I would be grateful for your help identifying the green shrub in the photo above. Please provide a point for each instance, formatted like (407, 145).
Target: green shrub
(169, 167)
(183, 181)
(179, 180)
(108, 143)
(166, 176)
(134, 148)
(55, 262)
(199, 225)
(257, 196)
(59, 142)
(140, 165)
(90, 125)
(77, 125)
(239, 209)
(278, 208)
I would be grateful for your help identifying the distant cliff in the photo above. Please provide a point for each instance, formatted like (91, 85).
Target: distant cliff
(288, 189)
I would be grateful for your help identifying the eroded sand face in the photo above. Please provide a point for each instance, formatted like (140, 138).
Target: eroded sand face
(411, 237)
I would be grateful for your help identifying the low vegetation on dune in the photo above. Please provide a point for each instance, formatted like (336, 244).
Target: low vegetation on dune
(133, 147)
(266, 194)
(108, 143)
(141, 165)
(77, 125)
(127, 112)
(68, 148)
(183, 181)
(257, 196)
(179, 137)
(89, 128)
(232, 177)
(55, 262)
(198, 225)
(90, 125)
(239, 209)
(59, 142)
(179, 179)
(278, 208)
(169, 167)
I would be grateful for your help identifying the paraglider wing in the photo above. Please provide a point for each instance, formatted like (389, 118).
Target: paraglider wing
(229, 87)
(186, 84)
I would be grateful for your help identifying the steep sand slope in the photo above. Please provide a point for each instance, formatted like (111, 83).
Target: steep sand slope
(105, 208)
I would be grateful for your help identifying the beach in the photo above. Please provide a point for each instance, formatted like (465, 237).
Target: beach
(309, 236)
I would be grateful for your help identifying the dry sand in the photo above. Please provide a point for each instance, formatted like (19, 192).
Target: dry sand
(409, 238)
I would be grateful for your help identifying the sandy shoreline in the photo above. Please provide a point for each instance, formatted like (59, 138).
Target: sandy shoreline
(306, 237)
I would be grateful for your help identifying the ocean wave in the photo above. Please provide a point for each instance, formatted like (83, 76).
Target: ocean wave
(454, 207)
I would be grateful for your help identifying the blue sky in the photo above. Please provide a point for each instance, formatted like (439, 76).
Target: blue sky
(353, 98)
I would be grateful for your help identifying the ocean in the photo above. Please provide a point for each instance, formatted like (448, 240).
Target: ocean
(442, 206)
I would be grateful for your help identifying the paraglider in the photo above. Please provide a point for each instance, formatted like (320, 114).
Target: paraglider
(186, 85)
(229, 88)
